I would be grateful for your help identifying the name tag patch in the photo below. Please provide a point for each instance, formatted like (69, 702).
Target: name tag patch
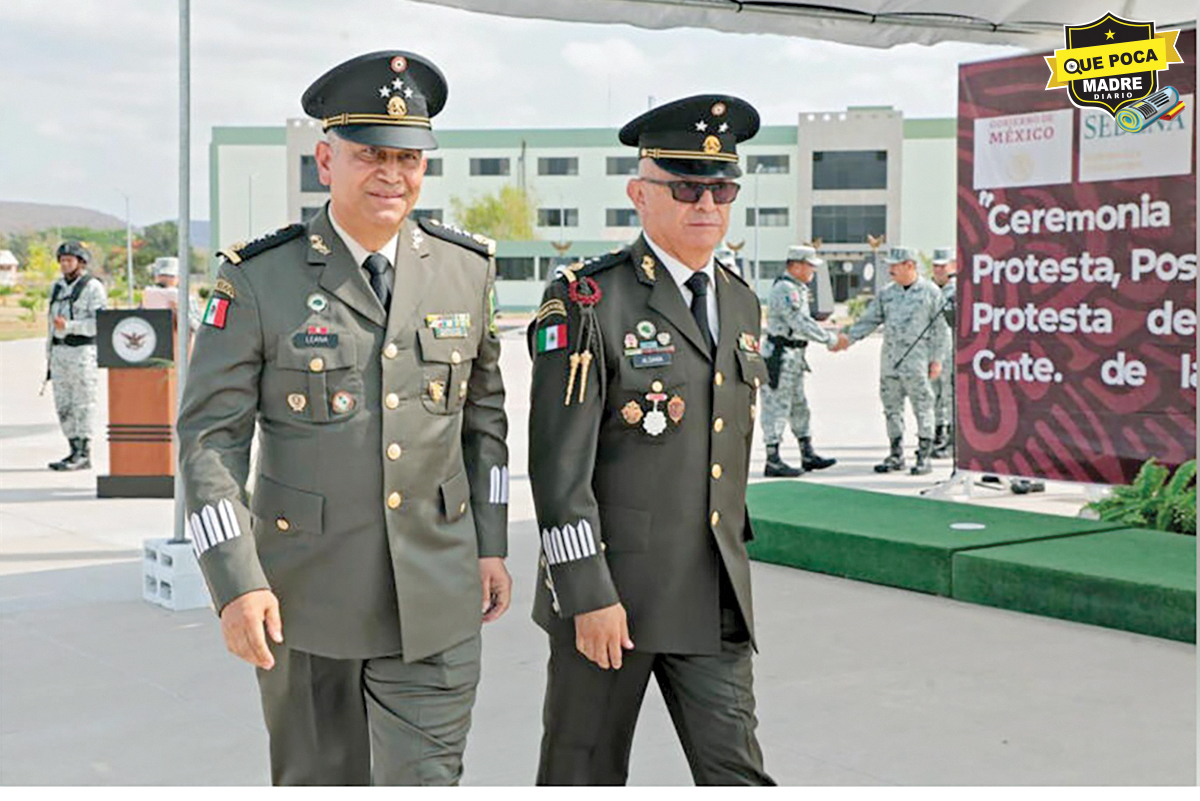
(315, 340)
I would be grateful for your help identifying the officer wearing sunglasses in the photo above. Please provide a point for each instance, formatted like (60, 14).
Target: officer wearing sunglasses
(645, 381)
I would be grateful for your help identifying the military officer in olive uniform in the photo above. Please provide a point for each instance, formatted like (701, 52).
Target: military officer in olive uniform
(645, 377)
(790, 327)
(372, 544)
(944, 275)
(914, 344)
(75, 298)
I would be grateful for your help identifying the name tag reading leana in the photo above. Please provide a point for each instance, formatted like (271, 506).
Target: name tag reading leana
(449, 326)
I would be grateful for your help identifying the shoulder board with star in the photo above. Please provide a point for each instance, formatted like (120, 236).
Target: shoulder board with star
(238, 253)
(476, 242)
(595, 264)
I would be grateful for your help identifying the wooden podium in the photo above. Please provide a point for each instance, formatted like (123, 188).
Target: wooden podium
(137, 348)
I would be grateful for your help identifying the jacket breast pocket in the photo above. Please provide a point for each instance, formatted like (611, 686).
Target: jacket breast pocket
(752, 374)
(286, 510)
(314, 380)
(651, 403)
(446, 370)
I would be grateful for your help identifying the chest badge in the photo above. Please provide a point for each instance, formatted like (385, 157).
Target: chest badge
(341, 402)
(317, 302)
(297, 402)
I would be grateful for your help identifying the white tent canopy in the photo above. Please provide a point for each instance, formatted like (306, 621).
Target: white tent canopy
(1033, 24)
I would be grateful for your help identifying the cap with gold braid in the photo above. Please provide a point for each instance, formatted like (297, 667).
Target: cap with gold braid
(694, 136)
(385, 99)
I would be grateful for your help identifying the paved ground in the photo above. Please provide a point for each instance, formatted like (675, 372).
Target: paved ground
(857, 684)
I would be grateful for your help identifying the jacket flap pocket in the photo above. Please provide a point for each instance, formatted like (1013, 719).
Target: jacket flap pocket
(444, 349)
(752, 367)
(456, 495)
(287, 510)
(300, 351)
(623, 529)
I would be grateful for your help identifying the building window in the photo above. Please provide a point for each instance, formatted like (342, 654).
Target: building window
(555, 218)
(433, 167)
(621, 165)
(850, 169)
(621, 218)
(308, 212)
(514, 269)
(489, 166)
(848, 224)
(769, 217)
(769, 269)
(426, 214)
(769, 164)
(310, 179)
(558, 166)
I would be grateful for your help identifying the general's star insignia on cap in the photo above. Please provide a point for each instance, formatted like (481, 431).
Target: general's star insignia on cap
(680, 136)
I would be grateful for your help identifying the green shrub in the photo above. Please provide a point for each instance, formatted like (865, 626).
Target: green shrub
(1155, 499)
(856, 306)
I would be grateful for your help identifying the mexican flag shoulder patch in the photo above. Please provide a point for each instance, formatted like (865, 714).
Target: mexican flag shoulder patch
(217, 311)
(552, 337)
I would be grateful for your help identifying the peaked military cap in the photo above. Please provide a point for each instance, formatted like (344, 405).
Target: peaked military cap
(694, 136)
(943, 255)
(804, 253)
(386, 99)
(899, 254)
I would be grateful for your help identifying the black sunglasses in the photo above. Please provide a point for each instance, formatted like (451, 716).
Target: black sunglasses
(691, 191)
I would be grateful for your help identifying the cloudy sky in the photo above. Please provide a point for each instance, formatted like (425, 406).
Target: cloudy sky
(89, 88)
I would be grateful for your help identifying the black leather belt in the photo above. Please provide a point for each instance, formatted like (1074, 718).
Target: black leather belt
(783, 342)
(75, 341)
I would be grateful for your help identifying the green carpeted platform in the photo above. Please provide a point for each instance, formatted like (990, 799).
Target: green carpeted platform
(1131, 579)
(887, 539)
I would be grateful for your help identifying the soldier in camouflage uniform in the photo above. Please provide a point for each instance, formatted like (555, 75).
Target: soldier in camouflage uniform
(944, 270)
(913, 347)
(71, 351)
(790, 327)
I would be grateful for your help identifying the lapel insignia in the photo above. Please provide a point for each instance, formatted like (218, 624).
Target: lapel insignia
(632, 413)
(317, 302)
(297, 402)
(318, 244)
(648, 266)
(417, 239)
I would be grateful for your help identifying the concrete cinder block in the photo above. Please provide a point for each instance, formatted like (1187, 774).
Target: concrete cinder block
(171, 576)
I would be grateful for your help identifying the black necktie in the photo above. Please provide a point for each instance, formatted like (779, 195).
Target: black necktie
(376, 265)
(698, 283)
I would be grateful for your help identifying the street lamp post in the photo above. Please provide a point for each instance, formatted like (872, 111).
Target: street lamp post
(128, 250)
(757, 223)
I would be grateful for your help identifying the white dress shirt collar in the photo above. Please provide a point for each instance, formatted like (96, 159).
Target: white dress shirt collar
(357, 251)
(680, 273)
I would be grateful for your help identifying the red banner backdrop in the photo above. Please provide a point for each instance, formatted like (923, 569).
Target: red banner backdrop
(1076, 278)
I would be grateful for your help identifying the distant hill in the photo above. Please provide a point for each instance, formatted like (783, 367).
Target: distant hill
(198, 233)
(24, 217)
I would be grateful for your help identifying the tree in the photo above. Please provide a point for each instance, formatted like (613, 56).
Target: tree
(506, 215)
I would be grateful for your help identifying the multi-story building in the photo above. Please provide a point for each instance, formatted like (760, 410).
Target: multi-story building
(837, 176)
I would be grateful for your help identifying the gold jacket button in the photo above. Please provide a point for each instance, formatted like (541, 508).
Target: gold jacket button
(455, 357)
(719, 378)
(462, 388)
(394, 451)
(715, 519)
(718, 425)
(393, 500)
(716, 471)
(462, 508)
(391, 350)
(392, 400)
(317, 364)
(757, 382)
(282, 524)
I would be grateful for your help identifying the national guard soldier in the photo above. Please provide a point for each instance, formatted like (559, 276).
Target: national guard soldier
(914, 342)
(790, 327)
(71, 351)
(364, 346)
(944, 275)
(645, 375)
